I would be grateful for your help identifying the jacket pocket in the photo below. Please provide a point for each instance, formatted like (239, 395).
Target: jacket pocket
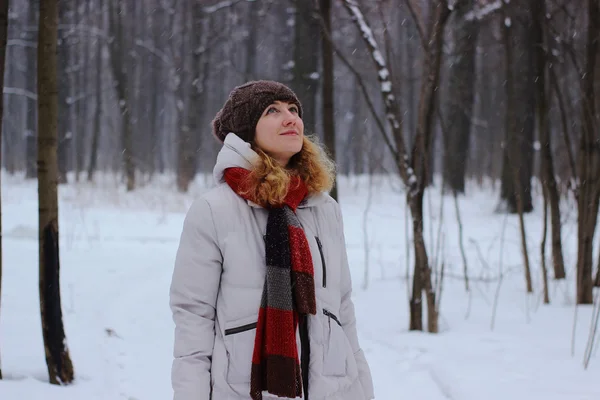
(320, 245)
(239, 343)
(240, 329)
(335, 351)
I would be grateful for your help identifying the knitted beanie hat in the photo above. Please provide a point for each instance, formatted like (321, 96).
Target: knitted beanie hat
(245, 105)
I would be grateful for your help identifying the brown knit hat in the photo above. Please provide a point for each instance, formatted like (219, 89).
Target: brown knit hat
(245, 105)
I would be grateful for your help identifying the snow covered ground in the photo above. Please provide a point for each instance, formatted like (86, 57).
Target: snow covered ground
(117, 252)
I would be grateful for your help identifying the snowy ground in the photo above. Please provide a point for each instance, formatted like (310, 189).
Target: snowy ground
(117, 252)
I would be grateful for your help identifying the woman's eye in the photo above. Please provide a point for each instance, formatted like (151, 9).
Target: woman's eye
(294, 109)
(271, 109)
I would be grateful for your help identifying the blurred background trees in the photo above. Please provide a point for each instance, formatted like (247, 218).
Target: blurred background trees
(508, 103)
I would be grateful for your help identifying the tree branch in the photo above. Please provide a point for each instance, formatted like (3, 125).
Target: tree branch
(22, 43)
(221, 5)
(565, 126)
(361, 83)
(20, 92)
(153, 50)
(417, 15)
(402, 161)
(480, 13)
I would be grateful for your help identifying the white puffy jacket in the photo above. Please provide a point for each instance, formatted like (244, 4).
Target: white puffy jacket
(216, 291)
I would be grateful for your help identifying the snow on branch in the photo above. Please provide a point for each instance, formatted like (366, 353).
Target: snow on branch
(153, 50)
(22, 43)
(20, 92)
(479, 13)
(383, 75)
(220, 5)
(91, 30)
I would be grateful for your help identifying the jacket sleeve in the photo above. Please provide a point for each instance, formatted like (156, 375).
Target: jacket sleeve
(193, 295)
(348, 318)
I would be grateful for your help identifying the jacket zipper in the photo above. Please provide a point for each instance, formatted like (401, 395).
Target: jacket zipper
(304, 354)
(332, 316)
(322, 261)
(240, 329)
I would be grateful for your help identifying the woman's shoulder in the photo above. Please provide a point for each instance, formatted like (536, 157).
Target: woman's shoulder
(324, 201)
(328, 207)
(218, 194)
(215, 202)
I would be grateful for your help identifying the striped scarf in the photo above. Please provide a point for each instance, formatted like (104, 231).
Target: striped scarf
(288, 292)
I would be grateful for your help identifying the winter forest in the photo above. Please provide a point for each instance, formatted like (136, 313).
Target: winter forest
(466, 135)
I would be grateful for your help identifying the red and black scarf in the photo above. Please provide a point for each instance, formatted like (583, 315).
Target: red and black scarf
(288, 292)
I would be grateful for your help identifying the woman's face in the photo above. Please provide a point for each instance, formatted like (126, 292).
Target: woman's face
(280, 131)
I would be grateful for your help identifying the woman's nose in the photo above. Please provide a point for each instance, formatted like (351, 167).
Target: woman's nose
(290, 118)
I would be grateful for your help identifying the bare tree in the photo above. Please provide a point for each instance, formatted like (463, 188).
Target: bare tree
(414, 169)
(588, 190)
(180, 70)
(60, 367)
(514, 153)
(65, 88)
(543, 252)
(252, 27)
(156, 65)
(82, 88)
(3, 40)
(459, 107)
(31, 130)
(547, 163)
(305, 72)
(328, 85)
(92, 166)
(518, 148)
(118, 56)
(597, 281)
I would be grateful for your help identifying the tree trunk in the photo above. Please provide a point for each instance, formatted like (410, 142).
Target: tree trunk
(119, 69)
(596, 283)
(156, 67)
(92, 166)
(64, 92)
(328, 87)
(413, 171)
(422, 152)
(60, 368)
(186, 163)
(410, 51)
(252, 25)
(6, 146)
(31, 130)
(416, 299)
(82, 97)
(480, 163)
(358, 134)
(432, 61)
(589, 164)
(523, 119)
(547, 163)
(3, 40)
(514, 148)
(459, 109)
(208, 27)
(543, 249)
(305, 80)
(138, 67)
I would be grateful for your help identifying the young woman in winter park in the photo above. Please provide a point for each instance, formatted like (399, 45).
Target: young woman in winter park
(261, 291)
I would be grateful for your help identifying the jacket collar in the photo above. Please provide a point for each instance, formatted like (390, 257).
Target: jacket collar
(238, 153)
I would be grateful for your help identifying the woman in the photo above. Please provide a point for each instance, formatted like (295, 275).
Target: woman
(261, 290)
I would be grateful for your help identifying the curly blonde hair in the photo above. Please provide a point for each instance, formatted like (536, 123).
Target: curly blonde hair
(269, 181)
